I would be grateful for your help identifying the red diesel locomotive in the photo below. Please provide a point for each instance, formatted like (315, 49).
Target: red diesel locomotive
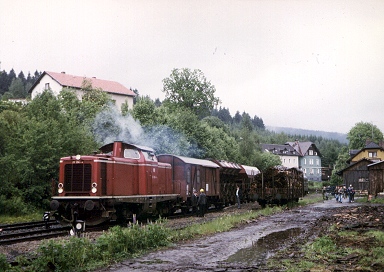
(127, 180)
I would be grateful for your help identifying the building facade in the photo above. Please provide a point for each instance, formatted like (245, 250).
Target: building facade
(302, 155)
(57, 81)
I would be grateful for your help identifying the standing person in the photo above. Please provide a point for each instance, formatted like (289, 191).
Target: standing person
(194, 202)
(337, 193)
(323, 192)
(341, 192)
(351, 193)
(202, 202)
(238, 196)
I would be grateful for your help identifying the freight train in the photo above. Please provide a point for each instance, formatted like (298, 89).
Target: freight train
(125, 181)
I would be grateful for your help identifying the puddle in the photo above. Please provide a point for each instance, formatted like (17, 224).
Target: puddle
(264, 247)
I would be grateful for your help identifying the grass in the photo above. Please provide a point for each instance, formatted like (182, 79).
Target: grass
(11, 219)
(222, 224)
(337, 250)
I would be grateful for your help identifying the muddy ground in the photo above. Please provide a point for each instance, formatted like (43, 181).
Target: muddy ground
(248, 247)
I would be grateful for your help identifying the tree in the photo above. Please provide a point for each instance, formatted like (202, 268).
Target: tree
(246, 122)
(37, 138)
(237, 118)
(361, 132)
(191, 90)
(258, 122)
(17, 89)
(144, 110)
(93, 101)
(266, 160)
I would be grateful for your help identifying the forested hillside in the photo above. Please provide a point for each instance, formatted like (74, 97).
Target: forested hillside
(15, 87)
(342, 138)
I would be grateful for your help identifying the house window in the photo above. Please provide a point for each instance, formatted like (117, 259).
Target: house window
(311, 161)
(372, 154)
(305, 161)
(311, 171)
(310, 152)
(319, 171)
(317, 162)
(46, 86)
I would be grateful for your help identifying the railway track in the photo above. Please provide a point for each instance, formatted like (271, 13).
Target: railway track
(22, 232)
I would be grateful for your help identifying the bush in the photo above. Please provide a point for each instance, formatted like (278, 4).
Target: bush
(132, 240)
(79, 254)
(13, 206)
(4, 265)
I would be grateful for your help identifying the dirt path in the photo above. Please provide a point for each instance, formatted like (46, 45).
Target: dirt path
(243, 249)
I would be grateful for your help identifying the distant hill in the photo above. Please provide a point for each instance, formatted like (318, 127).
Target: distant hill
(342, 138)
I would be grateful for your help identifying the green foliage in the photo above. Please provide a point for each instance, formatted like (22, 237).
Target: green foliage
(221, 224)
(14, 205)
(144, 111)
(33, 140)
(266, 160)
(132, 240)
(17, 89)
(190, 90)
(217, 143)
(361, 132)
(4, 265)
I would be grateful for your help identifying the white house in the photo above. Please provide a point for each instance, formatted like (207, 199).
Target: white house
(57, 81)
(288, 155)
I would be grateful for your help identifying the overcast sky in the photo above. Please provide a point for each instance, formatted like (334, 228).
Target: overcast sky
(314, 65)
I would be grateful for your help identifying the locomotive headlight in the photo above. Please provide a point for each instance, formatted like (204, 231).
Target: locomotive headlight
(78, 157)
(79, 226)
(60, 190)
(94, 189)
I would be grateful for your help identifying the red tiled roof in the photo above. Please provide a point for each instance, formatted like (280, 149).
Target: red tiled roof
(76, 82)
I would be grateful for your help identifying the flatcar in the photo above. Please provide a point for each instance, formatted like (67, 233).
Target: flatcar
(279, 185)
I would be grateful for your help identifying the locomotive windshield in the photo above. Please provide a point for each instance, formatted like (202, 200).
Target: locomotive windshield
(131, 153)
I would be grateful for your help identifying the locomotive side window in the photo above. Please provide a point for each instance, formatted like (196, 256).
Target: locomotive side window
(131, 153)
(149, 156)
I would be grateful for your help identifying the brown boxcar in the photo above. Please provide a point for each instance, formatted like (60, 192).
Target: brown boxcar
(190, 174)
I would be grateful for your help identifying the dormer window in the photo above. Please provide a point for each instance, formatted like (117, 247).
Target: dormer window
(372, 154)
(310, 152)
